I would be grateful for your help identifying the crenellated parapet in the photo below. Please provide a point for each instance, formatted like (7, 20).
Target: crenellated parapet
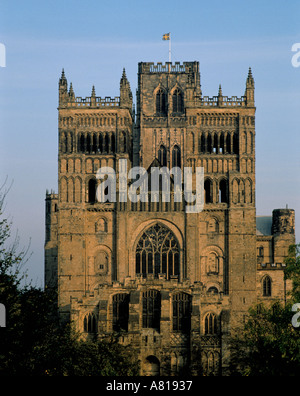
(68, 99)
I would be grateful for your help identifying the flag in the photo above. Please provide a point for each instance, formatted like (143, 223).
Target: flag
(166, 36)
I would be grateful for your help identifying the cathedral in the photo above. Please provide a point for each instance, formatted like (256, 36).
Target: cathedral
(172, 283)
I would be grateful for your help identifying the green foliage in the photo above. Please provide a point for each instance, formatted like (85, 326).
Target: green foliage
(292, 271)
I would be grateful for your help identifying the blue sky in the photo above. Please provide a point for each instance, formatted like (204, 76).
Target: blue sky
(94, 40)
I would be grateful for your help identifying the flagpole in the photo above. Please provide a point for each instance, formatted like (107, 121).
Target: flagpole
(170, 49)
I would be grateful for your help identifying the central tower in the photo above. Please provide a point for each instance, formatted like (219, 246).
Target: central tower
(171, 282)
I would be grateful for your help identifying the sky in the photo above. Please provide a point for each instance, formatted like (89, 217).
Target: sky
(93, 40)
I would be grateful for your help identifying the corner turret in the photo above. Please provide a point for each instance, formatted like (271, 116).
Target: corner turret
(249, 92)
(125, 92)
(63, 89)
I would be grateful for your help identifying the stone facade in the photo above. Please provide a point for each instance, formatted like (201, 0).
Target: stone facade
(171, 283)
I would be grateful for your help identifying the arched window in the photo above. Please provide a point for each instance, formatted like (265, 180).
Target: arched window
(95, 144)
(228, 143)
(209, 144)
(176, 157)
(65, 143)
(81, 144)
(202, 148)
(123, 144)
(120, 311)
(177, 99)
(215, 144)
(157, 252)
(100, 146)
(210, 325)
(106, 143)
(235, 143)
(222, 144)
(151, 309)
(162, 156)
(92, 191)
(161, 107)
(208, 191)
(223, 195)
(182, 312)
(88, 143)
(90, 323)
(113, 143)
(267, 287)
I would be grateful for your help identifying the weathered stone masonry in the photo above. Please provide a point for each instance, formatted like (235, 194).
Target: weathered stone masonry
(173, 284)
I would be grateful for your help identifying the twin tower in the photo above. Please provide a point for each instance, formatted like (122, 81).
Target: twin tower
(174, 285)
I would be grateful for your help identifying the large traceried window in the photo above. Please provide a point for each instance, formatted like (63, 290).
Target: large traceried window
(158, 252)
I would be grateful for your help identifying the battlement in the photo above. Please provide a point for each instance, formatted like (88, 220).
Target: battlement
(168, 67)
(94, 102)
(97, 101)
(225, 101)
(271, 266)
(51, 195)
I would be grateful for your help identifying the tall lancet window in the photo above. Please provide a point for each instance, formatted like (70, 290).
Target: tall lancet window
(162, 155)
(176, 157)
(177, 100)
(161, 102)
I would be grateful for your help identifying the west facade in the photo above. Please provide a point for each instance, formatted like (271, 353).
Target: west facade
(173, 284)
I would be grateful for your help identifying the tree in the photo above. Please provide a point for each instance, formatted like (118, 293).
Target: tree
(269, 345)
(34, 341)
(292, 271)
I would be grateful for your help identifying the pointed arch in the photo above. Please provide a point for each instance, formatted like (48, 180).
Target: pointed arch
(162, 155)
(223, 191)
(92, 184)
(267, 286)
(177, 101)
(90, 323)
(158, 253)
(160, 101)
(191, 142)
(210, 324)
(176, 156)
(208, 190)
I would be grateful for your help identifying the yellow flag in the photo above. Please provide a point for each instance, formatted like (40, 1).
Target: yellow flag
(166, 36)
